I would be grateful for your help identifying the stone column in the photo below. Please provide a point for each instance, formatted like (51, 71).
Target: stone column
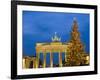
(65, 56)
(37, 60)
(34, 63)
(44, 62)
(60, 59)
(51, 59)
(27, 62)
(24, 63)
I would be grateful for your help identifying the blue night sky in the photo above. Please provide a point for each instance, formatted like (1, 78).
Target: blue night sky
(41, 26)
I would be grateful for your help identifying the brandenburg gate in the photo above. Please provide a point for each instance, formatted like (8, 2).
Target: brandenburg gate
(54, 46)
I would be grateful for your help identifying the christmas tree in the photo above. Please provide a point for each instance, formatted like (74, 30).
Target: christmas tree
(76, 54)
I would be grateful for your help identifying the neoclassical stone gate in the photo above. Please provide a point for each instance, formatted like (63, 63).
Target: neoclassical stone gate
(51, 48)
